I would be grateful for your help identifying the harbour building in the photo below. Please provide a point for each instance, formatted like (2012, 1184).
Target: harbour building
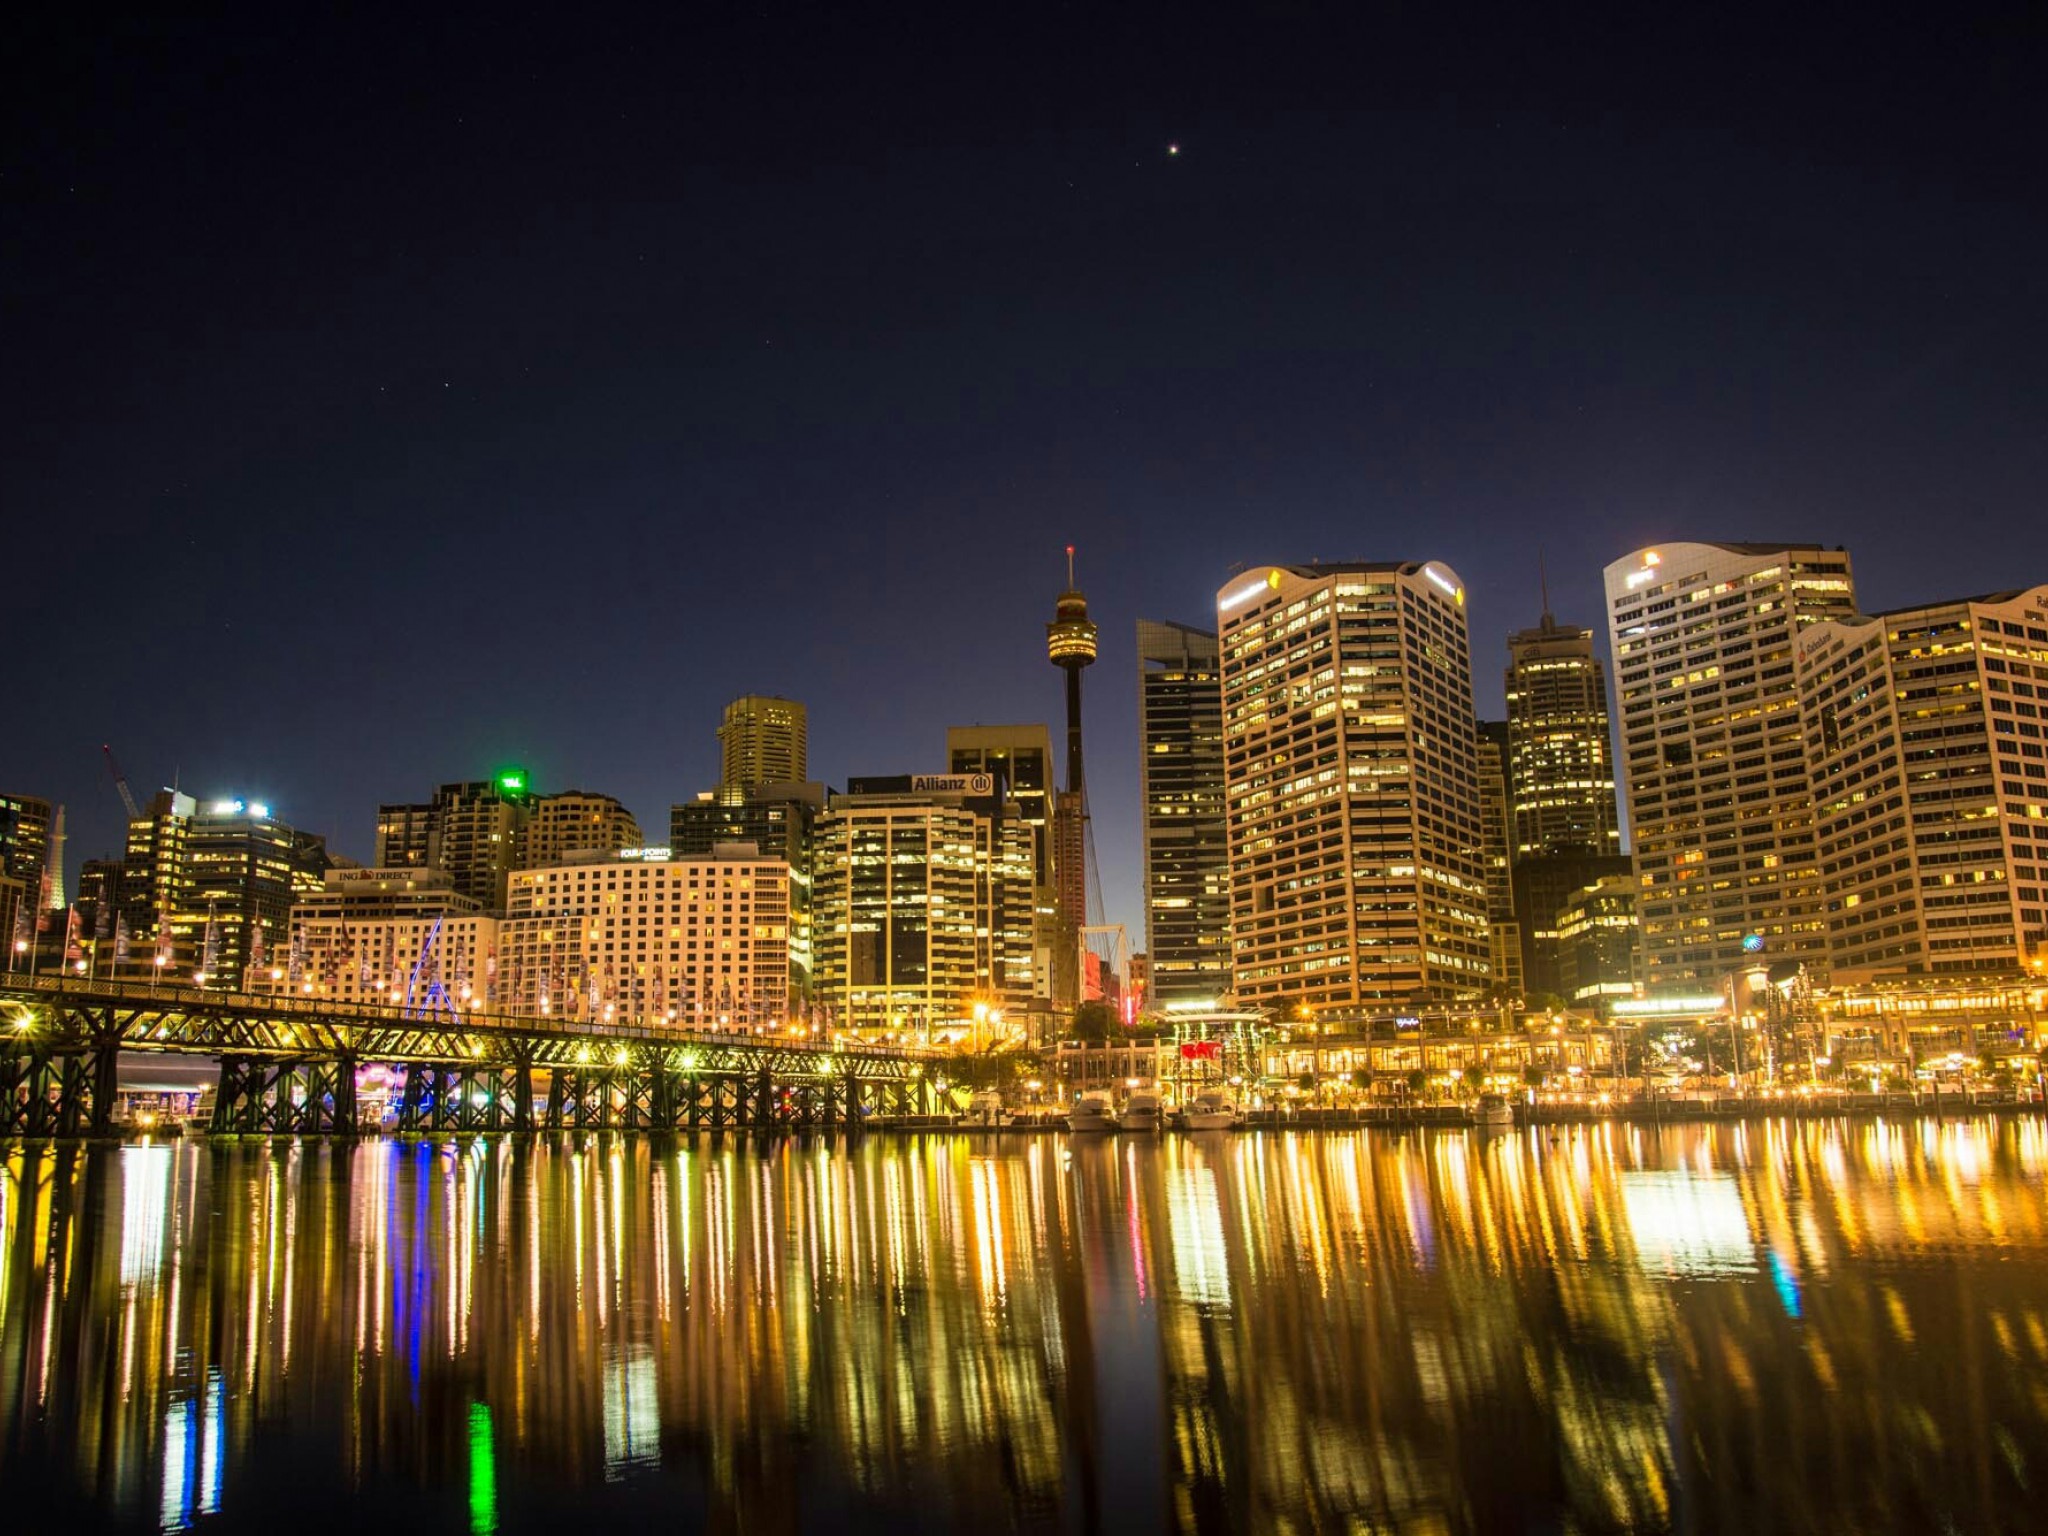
(780, 821)
(695, 943)
(575, 821)
(923, 906)
(1352, 786)
(1727, 861)
(398, 937)
(1180, 771)
(1925, 740)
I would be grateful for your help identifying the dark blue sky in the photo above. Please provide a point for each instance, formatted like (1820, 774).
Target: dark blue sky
(388, 402)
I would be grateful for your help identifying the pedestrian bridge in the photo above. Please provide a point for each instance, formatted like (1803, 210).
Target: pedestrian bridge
(288, 1066)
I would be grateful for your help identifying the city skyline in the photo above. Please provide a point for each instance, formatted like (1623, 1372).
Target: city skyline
(460, 394)
(98, 829)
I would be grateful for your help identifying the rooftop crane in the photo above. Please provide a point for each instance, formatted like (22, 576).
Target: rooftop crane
(121, 784)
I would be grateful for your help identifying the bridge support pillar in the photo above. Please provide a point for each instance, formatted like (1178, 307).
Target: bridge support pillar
(343, 1117)
(522, 1086)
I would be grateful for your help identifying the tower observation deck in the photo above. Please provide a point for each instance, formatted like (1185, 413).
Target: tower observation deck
(1070, 646)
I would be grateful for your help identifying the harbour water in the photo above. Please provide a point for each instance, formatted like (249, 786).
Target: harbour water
(1802, 1326)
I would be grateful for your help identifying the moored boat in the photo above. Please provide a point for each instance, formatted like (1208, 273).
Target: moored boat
(1494, 1113)
(1142, 1111)
(985, 1111)
(1092, 1112)
(1212, 1111)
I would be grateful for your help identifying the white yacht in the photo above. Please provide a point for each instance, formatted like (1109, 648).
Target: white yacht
(1494, 1113)
(1092, 1112)
(1211, 1111)
(985, 1111)
(1142, 1111)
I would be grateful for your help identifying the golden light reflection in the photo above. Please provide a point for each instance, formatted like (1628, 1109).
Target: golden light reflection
(1597, 1328)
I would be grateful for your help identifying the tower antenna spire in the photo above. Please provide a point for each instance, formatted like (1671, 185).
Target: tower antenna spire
(1543, 582)
(1070, 567)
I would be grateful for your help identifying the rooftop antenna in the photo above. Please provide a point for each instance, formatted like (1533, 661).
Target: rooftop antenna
(1543, 581)
(1070, 567)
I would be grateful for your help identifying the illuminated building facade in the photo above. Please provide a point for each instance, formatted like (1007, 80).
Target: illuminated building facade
(763, 739)
(1925, 738)
(923, 903)
(153, 880)
(781, 821)
(405, 836)
(230, 923)
(1019, 758)
(1596, 943)
(575, 821)
(1560, 757)
(25, 885)
(1504, 935)
(1351, 766)
(25, 845)
(1703, 638)
(472, 831)
(698, 943)
(1180, 780)
(394, 936)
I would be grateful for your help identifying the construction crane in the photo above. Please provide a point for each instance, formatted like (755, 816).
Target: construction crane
(121, 784)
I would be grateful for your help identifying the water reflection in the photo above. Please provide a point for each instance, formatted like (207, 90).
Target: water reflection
(1804, 1326)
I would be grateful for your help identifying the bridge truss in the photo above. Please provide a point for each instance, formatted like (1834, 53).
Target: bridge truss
(288, 1067)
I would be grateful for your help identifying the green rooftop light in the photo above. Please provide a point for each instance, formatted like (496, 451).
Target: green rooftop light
(512, 782)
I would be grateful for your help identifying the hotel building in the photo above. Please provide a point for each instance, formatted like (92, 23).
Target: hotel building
(1726, 859)
(1925, 741)
(1352, 783)
(404, 937)
(697, 943)
(575, 821)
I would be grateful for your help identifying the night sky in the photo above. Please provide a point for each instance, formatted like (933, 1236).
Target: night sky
(389, 401)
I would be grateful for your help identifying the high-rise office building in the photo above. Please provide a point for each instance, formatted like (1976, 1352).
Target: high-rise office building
(1596, 943)
(1019, 759)
(473, 832)
(763, 739)
(575, 821)
(26, 825)
(1496, 825)
(688, 943)
(1925, 735)
(1565, 821)
(243, 869)
(1560, 757)
(923, 904)
(25, 887)
(154, 878)
(1180, 784)
(1703, 637)
(1351, 768)
(781, 822)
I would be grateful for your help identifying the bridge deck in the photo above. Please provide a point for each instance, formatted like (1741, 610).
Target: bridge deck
(288, 1064)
